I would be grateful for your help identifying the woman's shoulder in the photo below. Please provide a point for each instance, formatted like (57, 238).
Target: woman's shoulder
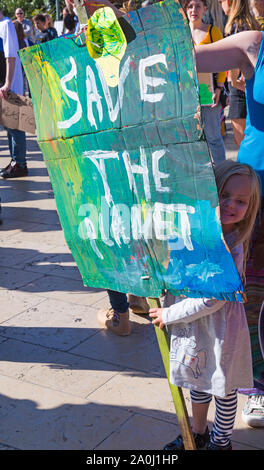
(216, 33)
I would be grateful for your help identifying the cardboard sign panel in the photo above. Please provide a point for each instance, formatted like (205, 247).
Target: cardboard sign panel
(125, 151)
(206, 88)
(17, 113)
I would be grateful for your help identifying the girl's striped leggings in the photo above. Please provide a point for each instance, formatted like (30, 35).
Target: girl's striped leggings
(224, 417)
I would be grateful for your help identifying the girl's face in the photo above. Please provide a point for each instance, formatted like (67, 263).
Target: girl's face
(226, 6)
(195, 10)
(234, 201)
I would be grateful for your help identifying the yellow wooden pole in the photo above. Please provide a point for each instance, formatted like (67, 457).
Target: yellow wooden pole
(176, 392)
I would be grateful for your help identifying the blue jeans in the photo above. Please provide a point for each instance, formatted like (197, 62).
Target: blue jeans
(118, 301)
(17, 145)
(212, 130)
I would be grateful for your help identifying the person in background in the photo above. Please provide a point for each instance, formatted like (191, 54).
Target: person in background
(239, 19)
(27, 25)
(49, 25)
(22, 42)
(43, 34)
(2, 81)
(245, 51)
(214, 15)
(69, 10)
(69, 24)
(14, 82)
(203, 34)
(257, 8)
(2, 63)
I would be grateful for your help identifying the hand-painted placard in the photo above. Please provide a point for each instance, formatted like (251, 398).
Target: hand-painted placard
(17, 113)
(130, 169)
(205, 81)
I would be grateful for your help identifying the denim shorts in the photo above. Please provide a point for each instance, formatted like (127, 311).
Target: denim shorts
(237, 104)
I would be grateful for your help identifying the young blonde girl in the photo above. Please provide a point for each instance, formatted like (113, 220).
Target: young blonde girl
(209, 339)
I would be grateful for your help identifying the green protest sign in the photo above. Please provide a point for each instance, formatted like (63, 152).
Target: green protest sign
(118, 122)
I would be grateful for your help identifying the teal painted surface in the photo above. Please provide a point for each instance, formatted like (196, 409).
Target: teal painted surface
(136, 151)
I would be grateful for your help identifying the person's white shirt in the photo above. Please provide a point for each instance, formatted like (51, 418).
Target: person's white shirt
(11, 47)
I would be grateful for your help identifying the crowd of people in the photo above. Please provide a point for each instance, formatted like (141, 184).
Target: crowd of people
(237, 67)
(14, 35)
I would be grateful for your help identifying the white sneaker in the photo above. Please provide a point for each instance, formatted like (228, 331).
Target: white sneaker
(253, 411)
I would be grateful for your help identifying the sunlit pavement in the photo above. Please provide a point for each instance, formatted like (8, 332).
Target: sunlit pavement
(65, 383)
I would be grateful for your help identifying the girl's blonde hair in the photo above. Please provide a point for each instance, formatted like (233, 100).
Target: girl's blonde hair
(244, 228)
(128, 6)
(240, 16)
(49, 20)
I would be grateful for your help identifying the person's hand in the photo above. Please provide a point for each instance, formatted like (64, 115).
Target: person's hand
(156, 314)
(4, 92)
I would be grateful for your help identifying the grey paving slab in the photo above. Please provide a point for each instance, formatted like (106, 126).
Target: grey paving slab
(52, 323)
(57, 287)
(13, 302)
(141, 433)
(137, 351)
(34, 417)
(56, 260)
(50, 368)
(13, 278)
(136, 390)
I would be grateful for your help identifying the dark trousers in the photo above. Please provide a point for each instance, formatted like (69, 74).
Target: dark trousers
(118, 301)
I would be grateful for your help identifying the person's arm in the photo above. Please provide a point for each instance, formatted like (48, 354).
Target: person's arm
(10, 67)
(239, 51)
(185, 311)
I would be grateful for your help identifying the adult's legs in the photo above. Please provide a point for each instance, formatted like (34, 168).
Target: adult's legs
(116, 319)
(212, 130)
(239, 126)
(118, 301)
(17, 148)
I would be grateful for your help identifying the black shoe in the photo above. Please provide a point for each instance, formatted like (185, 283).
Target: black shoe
(6, 168)
(201, 441)
(212, 446)
(14, 170)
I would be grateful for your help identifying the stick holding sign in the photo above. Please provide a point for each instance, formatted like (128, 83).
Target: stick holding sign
(176, 392)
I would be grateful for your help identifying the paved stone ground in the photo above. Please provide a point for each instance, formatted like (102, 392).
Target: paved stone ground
(65, 383)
